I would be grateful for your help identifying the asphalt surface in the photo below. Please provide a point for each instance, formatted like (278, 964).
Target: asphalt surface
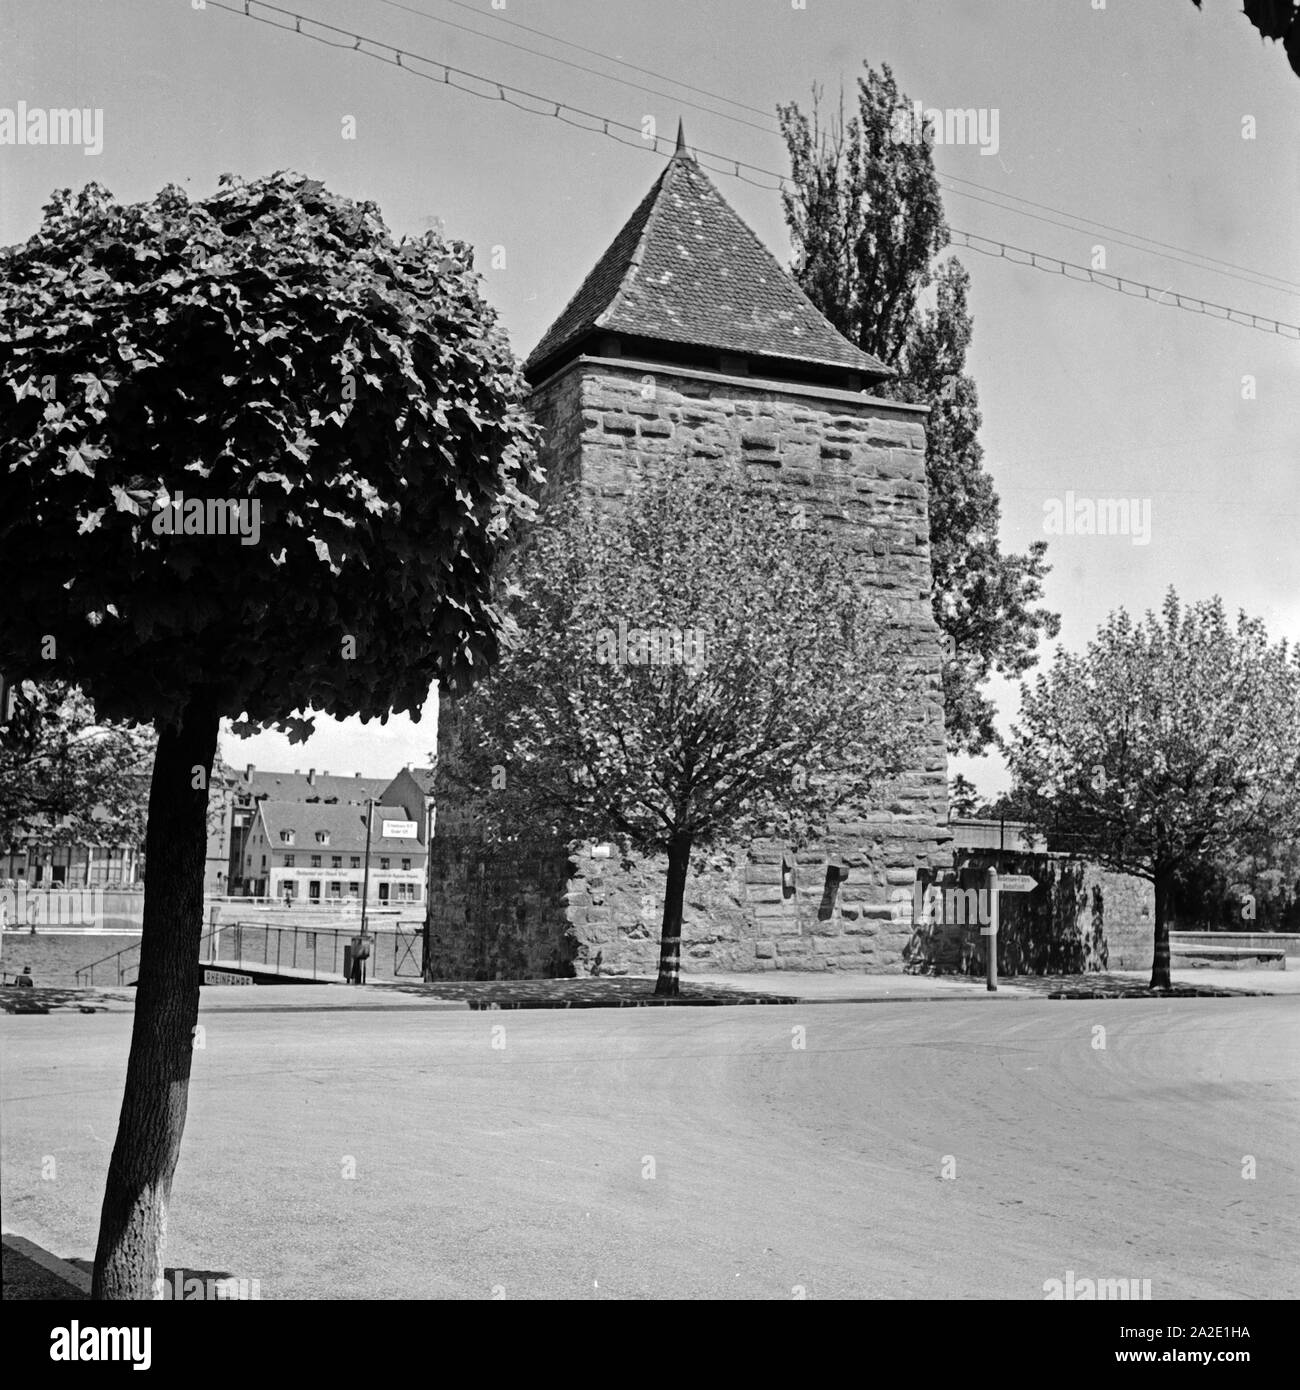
(695, 1153)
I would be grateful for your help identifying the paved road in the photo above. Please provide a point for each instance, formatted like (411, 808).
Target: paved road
(524, 1168)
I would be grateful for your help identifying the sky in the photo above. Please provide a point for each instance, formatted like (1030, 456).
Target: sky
(1127, 113)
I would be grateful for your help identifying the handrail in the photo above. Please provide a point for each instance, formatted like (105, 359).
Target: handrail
(235, 930)
(126, 950)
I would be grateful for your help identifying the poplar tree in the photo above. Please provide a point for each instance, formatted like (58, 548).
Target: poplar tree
(867, 225)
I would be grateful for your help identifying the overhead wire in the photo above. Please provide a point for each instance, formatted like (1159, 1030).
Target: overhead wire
(1000, 198)
(499, 18)
(728, 166)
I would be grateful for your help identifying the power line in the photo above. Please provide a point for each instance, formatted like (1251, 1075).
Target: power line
(1134, 289)
(1163, 255)
(732, 168)
(580, 67)
(402, 57)
(592, 52)
(1214, 265)
(1122, 231)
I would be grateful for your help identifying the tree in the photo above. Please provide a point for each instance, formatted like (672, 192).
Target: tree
(1252, 887)
(67, 777)
(258, 460)
(1275, 19)
(1166, 745)
(692, 668)
(963, 797)
(866, 222)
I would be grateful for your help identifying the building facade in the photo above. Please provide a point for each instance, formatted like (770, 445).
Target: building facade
(688, 342)
(319, 854)
(255, 785)
(44, 860)
(38, 863)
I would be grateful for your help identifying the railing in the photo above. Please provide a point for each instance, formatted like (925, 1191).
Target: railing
(311, 952)
(121, 966)
(239, 941)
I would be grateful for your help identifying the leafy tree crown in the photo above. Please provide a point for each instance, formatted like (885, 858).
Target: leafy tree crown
(270, 345)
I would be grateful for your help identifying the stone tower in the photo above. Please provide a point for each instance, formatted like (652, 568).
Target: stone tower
(687, 340)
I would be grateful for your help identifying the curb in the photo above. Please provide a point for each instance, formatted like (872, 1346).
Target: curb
(520, 1005)
(51, 1264)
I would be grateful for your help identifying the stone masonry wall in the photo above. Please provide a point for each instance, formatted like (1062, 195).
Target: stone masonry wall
(1081, 917)
(856, 466)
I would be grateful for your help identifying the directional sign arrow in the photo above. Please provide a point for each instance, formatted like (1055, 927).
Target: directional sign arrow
(1016, 883)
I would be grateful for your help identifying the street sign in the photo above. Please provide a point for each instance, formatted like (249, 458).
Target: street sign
(1016, 883)
(399, 830)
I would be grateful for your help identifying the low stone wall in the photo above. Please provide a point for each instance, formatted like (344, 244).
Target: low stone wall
(1080, 918)
(1251, 940)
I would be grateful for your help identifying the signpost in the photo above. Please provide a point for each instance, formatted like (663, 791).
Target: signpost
(365, 883)
(1011, 883)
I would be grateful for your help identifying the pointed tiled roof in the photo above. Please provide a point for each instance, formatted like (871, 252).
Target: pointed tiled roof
(685, 269)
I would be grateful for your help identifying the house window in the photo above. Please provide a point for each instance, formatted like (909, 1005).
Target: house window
(336, 861)
(336, 890)
(286, 837)
(315, 861)
(383, 892)
(289, 888)
(322, 837)
(313, 890)
(354, 861)
(354, 890)
(383, 863)
(406, 863)
(288, 861)
(264, 861)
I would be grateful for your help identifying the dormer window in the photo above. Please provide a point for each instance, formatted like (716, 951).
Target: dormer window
(322, 837)
(286, 837)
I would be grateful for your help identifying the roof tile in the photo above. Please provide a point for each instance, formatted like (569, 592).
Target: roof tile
(685, 268)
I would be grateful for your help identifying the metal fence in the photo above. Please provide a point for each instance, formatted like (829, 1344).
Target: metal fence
(305, 952)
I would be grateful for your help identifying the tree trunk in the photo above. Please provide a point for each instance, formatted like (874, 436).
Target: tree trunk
(133, 1220)
(1160, 978)
(670, 939)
